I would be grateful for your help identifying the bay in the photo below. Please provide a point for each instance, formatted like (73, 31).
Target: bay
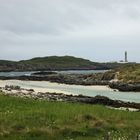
(44, 86)
(28, 73)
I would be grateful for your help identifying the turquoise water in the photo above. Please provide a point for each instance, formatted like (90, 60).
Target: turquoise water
(28, 73)
(84, 90)
(73, 89)
(81, 71)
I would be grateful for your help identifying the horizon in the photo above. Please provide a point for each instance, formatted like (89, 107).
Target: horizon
(120, 61)
(100, 31)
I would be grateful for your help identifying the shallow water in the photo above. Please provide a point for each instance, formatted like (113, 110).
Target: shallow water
(76, 89)
(28, 73)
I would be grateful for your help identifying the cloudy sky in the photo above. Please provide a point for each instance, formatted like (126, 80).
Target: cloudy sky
(100, 30)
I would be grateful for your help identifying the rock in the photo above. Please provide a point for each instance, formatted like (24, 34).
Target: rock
(115, 90)
(31, 90)
(69, 98)
(71, 79)
(44, 73)
(125, 87)
(12, 87)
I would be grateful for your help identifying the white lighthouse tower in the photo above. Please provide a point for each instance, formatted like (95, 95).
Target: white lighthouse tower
(126, 60)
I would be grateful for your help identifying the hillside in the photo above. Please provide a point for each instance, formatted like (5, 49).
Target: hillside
(6, 65)
(64, 62)
(129, 74)
(126, 74)
(54, 63)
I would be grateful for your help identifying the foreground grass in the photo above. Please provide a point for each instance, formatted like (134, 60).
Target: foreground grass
(27, 119)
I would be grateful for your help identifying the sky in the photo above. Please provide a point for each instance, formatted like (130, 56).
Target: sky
(99, 30)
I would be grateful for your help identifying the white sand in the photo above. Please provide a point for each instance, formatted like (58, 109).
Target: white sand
(44, 86)
(124, 109)
(23, 85)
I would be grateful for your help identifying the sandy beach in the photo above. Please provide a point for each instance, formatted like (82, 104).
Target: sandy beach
(44, 86)
(28, 85)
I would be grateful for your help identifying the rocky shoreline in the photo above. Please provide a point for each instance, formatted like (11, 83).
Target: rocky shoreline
(80, 79)
(125, 87)
(71, 79)
(101, 100)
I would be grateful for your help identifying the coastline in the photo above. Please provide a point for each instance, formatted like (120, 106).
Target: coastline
(92, 91)
(17, 91)
(3, 83)
(51, 90)
(98, 79)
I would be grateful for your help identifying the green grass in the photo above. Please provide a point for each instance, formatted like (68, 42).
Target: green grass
(54, 62)
(27, 119)
(47, 63)
(65, 62)
(130, 73)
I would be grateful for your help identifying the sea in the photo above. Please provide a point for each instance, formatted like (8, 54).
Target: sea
(75, 89)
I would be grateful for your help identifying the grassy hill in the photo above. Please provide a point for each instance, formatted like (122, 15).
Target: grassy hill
(54, 63)
(129, 73)
(64, 62)
(28, 119)
(6, 65)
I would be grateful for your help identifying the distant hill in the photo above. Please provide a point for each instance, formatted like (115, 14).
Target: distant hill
(55, 63)
(63, 62)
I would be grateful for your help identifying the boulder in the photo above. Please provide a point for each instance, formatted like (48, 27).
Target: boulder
(125, 86)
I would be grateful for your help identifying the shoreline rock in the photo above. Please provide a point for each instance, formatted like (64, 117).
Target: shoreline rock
(43, 73)
(71, 79)
(125, 87)
(101, 100)
(85, 80)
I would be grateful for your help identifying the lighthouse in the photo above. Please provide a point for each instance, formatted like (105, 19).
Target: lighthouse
(126, 60)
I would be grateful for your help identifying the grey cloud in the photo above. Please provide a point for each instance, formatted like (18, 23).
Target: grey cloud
(72, 27)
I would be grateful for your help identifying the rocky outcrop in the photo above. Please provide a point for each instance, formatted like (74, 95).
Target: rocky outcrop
(12, 87)
(30, 93)
(71, 79)
(125, 86)
(43, 73)
(110, 78)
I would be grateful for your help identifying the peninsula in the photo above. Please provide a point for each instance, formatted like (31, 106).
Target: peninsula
(55, 63)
